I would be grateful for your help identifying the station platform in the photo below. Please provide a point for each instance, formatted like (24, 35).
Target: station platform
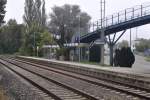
(121, 70)
(130, 76)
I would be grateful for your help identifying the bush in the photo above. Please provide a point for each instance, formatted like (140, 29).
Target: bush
(124, 57)
(62, 52)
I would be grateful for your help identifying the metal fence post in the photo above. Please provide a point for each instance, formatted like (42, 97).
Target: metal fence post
(141, 10)
(112, 19)
(125, 15)
(118, 18)
(133, 14)
(106, 21)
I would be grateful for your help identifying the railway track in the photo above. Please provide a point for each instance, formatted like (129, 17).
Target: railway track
(125, 92)
(55, 90)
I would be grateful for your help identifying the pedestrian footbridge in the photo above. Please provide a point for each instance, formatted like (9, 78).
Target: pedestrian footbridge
(129, 18)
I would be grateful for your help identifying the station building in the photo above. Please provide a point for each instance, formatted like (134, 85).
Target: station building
(87, 52)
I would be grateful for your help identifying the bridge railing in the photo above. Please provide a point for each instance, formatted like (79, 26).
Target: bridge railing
(122, 16)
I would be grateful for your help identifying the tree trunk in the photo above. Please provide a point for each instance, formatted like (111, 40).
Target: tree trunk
(111, 54)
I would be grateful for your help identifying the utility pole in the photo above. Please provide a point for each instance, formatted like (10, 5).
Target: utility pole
(102, 34)
(136, 33)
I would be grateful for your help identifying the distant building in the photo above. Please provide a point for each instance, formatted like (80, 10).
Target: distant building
(147, 52)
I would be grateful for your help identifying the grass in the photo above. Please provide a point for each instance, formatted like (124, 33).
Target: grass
(147, 59)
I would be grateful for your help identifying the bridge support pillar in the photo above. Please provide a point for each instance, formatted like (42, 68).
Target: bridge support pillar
(111, 44)
(102, 46)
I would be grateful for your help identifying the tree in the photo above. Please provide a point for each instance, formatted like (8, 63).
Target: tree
(44, 17)
(124, 43)
(142, 45)
(11, 37)
(35, 13)
(66, 21)
(2, 11)
(29, 15)
(35, 21)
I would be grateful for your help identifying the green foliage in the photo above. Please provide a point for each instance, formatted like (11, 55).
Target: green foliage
(142, 45)
(147, 59)
(46, 39)
(11, 37)
(32, 38)
(35, 20)
(2, 10)
(124, 57)
(66, 21)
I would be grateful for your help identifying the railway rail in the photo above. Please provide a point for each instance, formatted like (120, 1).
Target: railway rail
(55, 90)
(77, 83)
(128, 79)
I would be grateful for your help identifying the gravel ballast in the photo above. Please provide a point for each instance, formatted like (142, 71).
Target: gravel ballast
(17, 88)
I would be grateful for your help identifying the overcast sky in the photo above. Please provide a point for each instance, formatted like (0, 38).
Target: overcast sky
(15, 10)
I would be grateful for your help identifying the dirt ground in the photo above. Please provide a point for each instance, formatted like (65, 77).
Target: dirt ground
(2, 94)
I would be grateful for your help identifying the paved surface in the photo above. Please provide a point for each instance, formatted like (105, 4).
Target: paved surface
(141, 63)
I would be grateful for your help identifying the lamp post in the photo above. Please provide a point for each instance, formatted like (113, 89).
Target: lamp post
(37, 53)
(34, 43)
(79, 38)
